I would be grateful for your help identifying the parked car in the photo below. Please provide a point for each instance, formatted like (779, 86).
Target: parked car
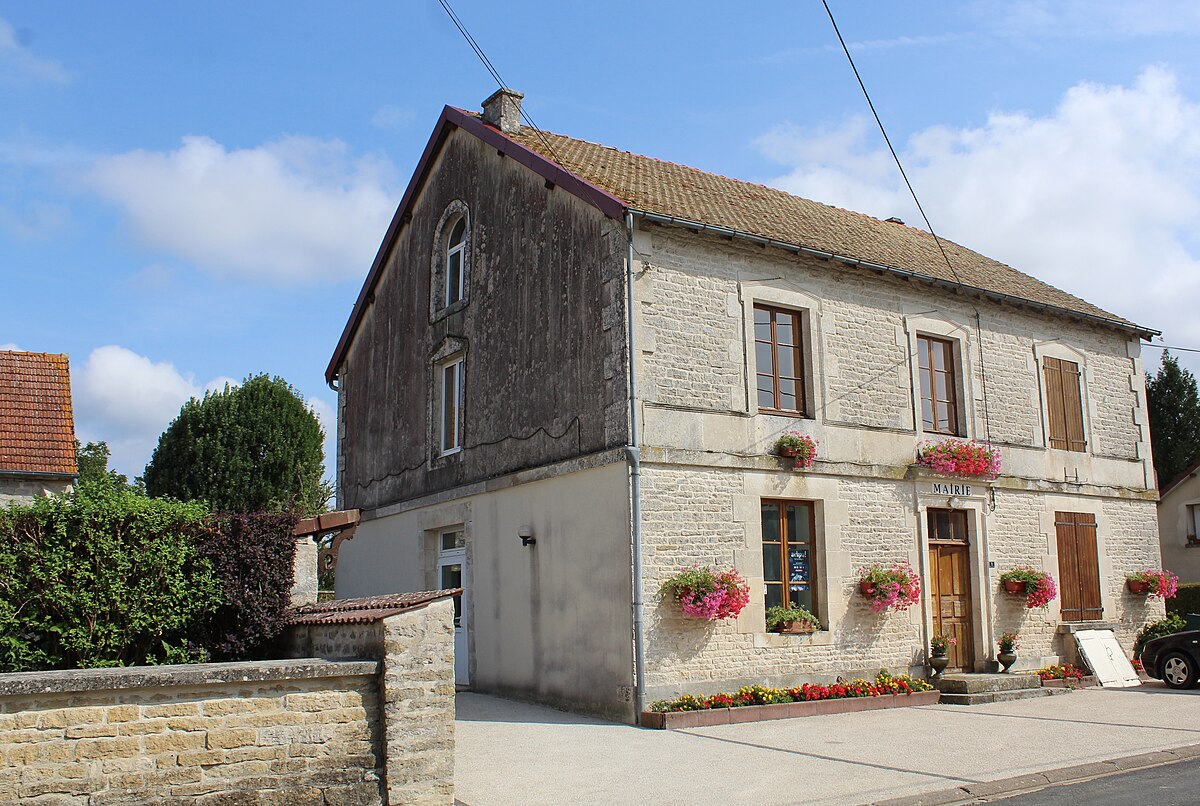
(1174, 659)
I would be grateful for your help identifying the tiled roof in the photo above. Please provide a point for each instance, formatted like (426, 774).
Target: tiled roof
(37, 427)
(365, 609)
(664, 188)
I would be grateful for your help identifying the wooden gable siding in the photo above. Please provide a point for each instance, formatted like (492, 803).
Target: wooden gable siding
(543, 268)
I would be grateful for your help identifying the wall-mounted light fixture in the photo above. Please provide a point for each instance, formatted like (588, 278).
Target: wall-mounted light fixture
(526, 535)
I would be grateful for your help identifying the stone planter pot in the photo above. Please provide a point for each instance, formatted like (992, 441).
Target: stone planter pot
(1007, 659)
(1138, 586)
(1014, 586)
(938, 663)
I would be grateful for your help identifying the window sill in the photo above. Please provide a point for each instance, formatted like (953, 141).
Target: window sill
(797, 415)
(771, 640)
(452, 308)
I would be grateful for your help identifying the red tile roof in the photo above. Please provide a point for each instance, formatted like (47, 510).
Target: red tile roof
(37, 425)
(365, 609)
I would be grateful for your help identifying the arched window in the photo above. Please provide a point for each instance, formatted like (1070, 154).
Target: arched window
(456, 248)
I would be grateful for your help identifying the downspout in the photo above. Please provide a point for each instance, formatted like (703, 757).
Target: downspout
(635, 486)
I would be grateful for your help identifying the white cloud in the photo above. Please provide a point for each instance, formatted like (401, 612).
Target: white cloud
(1099, 197)
(1091, 18)
(9, 346)
(18, 63)
(298, 209)
(128, 400)
(328, 418)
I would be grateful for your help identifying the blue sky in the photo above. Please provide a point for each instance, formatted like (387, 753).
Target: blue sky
(193, 193)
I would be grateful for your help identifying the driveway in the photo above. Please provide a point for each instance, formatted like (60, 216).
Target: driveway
(515, 753)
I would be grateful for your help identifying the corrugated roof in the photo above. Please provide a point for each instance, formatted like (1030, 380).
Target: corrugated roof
(37, 425)
(664, 188)
(365, 609)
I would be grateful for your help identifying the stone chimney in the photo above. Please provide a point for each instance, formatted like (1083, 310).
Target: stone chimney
(502, 109)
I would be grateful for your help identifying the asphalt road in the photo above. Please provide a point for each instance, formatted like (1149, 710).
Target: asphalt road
(1169, 785)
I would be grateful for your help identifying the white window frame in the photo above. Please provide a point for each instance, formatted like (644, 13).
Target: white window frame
(445, 446)
(460, 250)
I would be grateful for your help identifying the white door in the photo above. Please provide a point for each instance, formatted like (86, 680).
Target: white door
(452, 573)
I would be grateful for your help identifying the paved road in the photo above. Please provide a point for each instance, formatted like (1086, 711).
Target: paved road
(1170, 785)
(515, 753)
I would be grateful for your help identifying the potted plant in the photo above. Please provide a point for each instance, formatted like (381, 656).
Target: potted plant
(1009, 645)
(794, 445)
(939, 645)
(894, 586)
(791, 620)
(706, 593)
(1037, 586)
(956, 457)
(1162, 584)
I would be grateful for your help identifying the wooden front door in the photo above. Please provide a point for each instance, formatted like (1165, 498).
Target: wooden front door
(950, 584)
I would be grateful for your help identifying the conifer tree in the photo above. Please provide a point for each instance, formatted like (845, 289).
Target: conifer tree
(1174, 408)
(251, 447)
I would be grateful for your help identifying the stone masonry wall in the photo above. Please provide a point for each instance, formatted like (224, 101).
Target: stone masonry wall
(296, 732)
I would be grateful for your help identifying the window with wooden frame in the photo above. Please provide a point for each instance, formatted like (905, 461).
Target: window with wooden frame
(939, 385)
(1078, 566)
(789, 553)
(449, 379)
(779, 360)
(1064, 404)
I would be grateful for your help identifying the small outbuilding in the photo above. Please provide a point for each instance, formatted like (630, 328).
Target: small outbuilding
(37, 426)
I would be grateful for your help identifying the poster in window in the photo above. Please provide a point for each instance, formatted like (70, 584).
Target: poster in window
(799, 571)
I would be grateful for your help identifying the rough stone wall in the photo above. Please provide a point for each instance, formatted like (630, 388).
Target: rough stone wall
(1130, 545)
(24, 490)
(693, 516)
(296, 734)
(418, 705)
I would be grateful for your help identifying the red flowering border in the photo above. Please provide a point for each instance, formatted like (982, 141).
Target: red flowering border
(884, 684)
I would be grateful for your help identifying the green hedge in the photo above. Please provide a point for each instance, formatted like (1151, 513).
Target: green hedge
(109, 577)
(1186, 601)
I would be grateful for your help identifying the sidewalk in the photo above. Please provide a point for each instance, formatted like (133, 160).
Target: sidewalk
(514, 753)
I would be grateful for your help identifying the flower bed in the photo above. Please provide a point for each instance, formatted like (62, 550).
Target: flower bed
(754, 703)
(1066, 676)
(955, 457)
(705, 593)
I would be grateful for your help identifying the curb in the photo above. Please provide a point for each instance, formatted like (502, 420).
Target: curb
(1019, 784)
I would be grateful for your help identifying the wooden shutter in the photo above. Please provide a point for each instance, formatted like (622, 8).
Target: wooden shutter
(1064, 404)
(1078, 566)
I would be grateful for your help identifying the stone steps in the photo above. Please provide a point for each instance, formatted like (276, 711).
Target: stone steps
(977, 689)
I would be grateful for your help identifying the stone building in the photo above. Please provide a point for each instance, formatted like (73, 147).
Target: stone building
(37, 426)
(497, 436)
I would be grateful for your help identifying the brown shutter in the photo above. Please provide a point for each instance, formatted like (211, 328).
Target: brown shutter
(1072, 391)
(1054, 403)
(1078, 566)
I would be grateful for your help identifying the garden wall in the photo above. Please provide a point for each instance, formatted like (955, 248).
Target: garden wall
(319, 731)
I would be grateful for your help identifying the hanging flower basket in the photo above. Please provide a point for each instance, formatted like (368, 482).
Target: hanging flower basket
(956, 457)
(1037, 586)
(801, 447)
(707, 593)
(895, 587)
(1162, 584)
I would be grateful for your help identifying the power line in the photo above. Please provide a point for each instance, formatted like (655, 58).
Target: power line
(987, 422)
(1169, 347)
(491, 68)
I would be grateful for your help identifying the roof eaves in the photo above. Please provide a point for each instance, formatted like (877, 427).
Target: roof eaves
(451, 118)
(998, 296)
(1184, 476)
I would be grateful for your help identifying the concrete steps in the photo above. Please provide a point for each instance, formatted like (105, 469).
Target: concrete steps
(977, 689)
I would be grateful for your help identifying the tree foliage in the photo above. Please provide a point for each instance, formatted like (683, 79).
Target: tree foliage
(1174, 408)
(252, 553)
(92, 462)
(104, 577)
(252, 447)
